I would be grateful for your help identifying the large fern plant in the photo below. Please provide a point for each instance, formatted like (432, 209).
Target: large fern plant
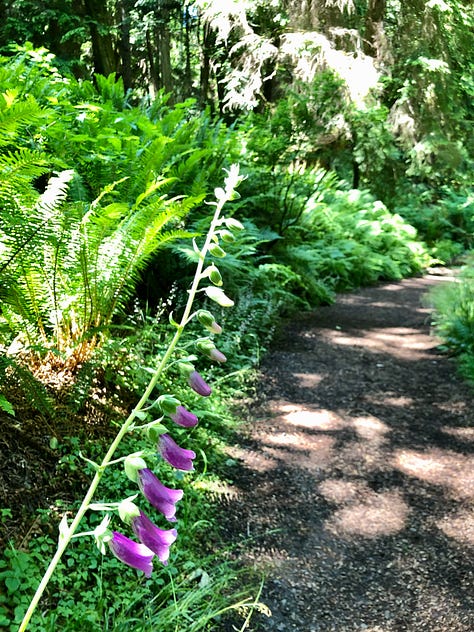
(68, 264)
(76, 263)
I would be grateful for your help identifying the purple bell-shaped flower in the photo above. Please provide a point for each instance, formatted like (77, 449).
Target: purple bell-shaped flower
(197, 383)
(178, 457)
(161, 497)
(155, 539)
(184, 417)
(132, 553)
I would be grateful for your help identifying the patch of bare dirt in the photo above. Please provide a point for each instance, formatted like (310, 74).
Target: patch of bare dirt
(354, 485)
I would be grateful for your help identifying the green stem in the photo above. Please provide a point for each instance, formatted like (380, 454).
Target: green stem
(64, 541)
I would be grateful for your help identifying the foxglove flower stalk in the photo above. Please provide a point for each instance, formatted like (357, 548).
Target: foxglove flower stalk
(178, 457)
(132, 553)
(197, 383)
(140, 555)
(184, 417)
(155, 539)
(161, 497)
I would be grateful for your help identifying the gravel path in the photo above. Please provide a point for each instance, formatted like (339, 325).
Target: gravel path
(354, 485)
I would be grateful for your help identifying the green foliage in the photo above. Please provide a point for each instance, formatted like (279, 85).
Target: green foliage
(453, 318)
(430, 88)
(19, 379)
(283, 149)
(201, 595)
(374, 149)
(73, 254)
(346, 239)
(443, 217)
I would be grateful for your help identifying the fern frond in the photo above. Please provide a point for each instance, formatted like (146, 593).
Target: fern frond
(55, 193)
(25, 163)
(15, 114)
(15, 374)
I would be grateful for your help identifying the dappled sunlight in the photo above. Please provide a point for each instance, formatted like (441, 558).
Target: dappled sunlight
(394, 304)
(374, 515)
(465, 434)
(460, 527)
(307, 452)
(453, 471)
(399, 401)
(323, 420)
(400, 342)
(371, 429)
(309, 380)
(315, 50)
(283, 438)
(339, 491)
(256, 461)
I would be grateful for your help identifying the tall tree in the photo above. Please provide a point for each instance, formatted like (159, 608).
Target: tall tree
(100, 17)
(125, 49)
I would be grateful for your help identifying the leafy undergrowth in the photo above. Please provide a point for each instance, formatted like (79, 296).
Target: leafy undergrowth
(453, 320)
(45, 473)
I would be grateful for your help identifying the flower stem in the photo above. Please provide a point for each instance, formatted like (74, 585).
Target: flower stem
(66, 537)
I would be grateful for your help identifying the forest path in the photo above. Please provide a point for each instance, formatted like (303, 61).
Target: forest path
(354, 485)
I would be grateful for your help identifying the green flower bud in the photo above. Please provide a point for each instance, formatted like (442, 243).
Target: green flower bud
(205, 346)
(218, 295)
(216, 251)
(207, 320)
(232, 223)
(168, 404)
(153, 432)
(215, 276)
(227, 236)
(205, 317)
(128, 511)
(186, 368)
(132, 464)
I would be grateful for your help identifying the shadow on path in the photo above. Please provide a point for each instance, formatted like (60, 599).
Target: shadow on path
(354, 487)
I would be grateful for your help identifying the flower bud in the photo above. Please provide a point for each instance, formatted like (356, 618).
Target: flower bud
(186, 368)
(234, 223)
(168, 404)
(218, 296)
(227, 236)
(184, 417)
(216, 251)
(217, 355)
(132, 465)
(207, 320)
(215, 276)
(205, 346)
(197, 383)
(209, 349)
(127, 511)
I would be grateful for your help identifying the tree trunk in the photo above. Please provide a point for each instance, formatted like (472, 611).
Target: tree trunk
(124, 44)
(163, 51)
(188, 79)
(373, 26)
(104, 53)
(153, 70)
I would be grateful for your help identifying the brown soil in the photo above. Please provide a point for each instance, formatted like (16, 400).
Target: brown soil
(354, 486)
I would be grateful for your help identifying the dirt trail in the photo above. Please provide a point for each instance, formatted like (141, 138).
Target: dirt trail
(354, 486)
